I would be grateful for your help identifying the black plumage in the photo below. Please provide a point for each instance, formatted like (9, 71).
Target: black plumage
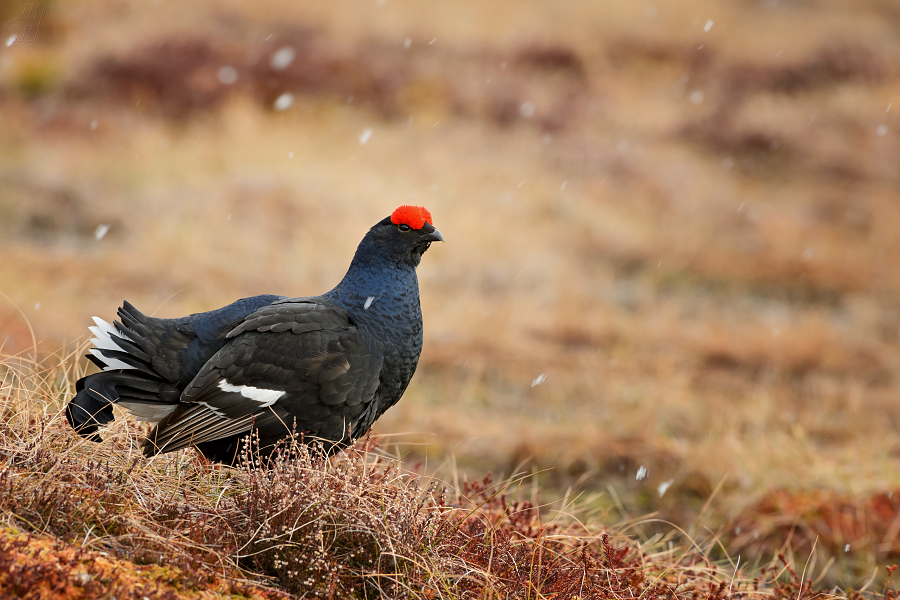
(325, 366)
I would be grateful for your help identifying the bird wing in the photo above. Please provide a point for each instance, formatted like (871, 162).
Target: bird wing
(146, 362)
(173, 349)
(297, 364)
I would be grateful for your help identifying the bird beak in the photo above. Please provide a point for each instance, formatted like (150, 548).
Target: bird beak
(434, 236)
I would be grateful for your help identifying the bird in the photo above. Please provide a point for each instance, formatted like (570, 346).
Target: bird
(323, 367)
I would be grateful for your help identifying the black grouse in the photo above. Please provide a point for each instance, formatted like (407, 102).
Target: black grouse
(324, 366)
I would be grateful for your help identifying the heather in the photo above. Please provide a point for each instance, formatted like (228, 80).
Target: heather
(86, 521)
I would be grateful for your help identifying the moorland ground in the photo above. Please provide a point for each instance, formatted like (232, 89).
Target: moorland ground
(671, 230)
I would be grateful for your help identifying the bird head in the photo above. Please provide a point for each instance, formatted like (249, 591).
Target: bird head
(405, 235)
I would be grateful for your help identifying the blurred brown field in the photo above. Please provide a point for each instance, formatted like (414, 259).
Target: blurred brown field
(672, 228)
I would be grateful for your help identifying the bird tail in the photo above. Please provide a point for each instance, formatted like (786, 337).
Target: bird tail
(128, 377)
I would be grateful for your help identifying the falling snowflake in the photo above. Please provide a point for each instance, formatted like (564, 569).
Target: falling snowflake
(847, 548)
(882, 130)
(564, 184)
(696, 97)
(368, 303)
(283, 58)
(664, 487)
(539, 379)
(10, 40)
(527, 109)
(708, 25)
(365, 136)
(641, 473)
(407, 43)
(284, 101)
(37, 306)
(101, 231)
(227, 75)
(94, 125)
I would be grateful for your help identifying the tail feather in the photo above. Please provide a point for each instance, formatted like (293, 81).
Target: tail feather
(162, 341)
(100, 364)
(145, 362)
(91, 408)
(133, 320)
(129, 347)
(109, 363)
(133, 361)
(107, 337)
(124, 353)
(88, 411)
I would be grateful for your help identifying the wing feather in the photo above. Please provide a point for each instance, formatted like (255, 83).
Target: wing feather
(306, 355)
(195, 421)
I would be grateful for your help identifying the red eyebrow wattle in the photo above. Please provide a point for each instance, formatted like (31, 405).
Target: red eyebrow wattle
(414, 216)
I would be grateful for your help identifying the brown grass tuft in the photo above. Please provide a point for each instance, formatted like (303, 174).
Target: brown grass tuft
(87, 520)
(174, 76)
(830, 65)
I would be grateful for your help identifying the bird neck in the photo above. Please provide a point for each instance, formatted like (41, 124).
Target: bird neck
(375, 287)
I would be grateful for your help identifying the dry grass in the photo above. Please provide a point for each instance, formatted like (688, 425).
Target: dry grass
(87, 521)
(702, 256)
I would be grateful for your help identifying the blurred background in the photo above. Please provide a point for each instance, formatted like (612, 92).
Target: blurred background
(671, 276)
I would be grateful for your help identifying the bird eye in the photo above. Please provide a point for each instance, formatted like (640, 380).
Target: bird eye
(404, 227)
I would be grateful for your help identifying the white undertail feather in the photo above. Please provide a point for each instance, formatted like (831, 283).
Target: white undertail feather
(263, 396)
(103, 341)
